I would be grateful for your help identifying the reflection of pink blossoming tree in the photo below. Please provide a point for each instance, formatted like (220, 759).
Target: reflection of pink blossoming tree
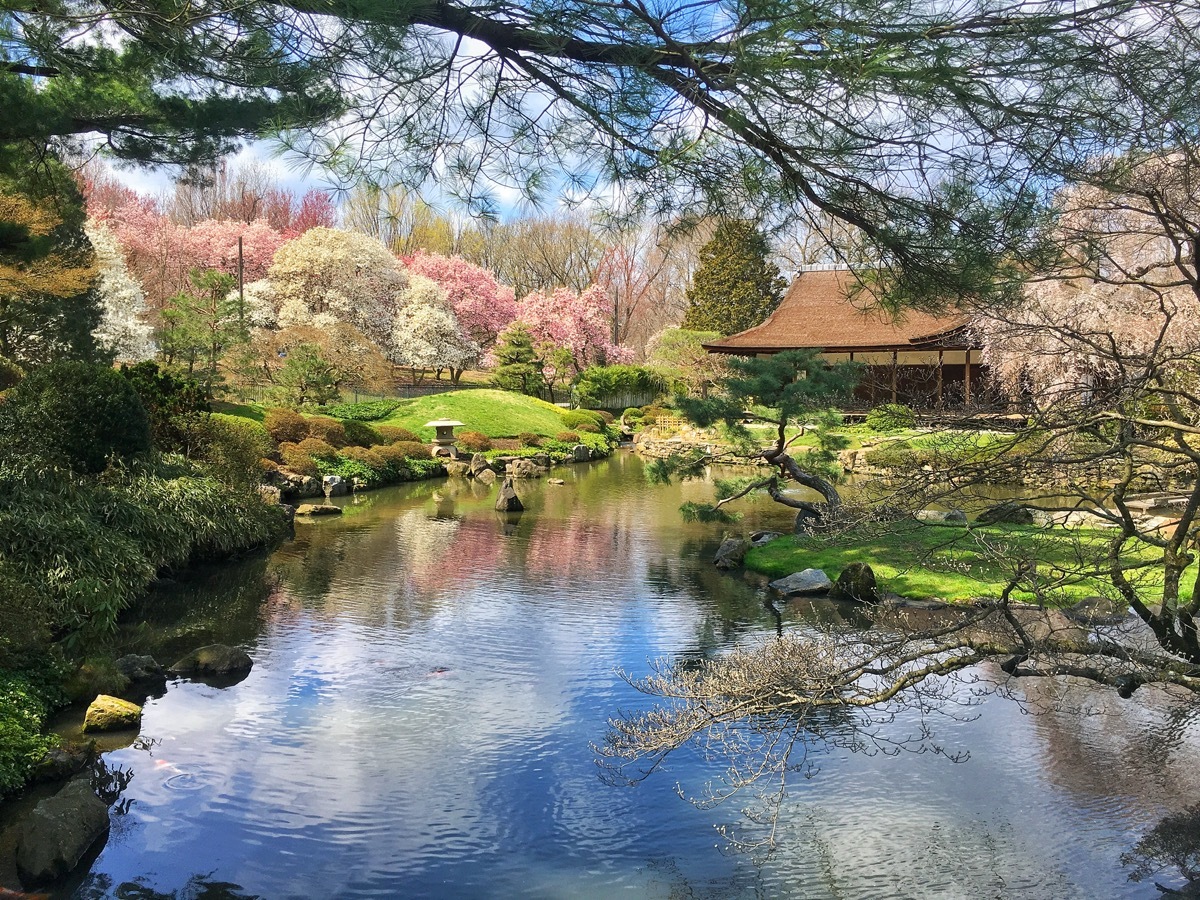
(481, 304)
(577, 322)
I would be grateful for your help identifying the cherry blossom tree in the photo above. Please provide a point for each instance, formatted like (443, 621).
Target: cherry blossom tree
(483, 306)
(123, 330)
(577, 322)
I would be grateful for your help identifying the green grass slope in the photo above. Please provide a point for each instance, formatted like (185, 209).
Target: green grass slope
(495, 413)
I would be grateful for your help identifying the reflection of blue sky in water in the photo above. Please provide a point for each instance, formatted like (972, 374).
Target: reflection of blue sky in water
(419, 717)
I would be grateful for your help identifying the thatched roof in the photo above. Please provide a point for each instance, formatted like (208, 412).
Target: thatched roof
(816, 313)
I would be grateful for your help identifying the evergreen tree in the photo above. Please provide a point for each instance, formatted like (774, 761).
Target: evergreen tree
(736, 285)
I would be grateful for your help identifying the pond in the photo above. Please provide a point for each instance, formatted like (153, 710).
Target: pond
(430, 676)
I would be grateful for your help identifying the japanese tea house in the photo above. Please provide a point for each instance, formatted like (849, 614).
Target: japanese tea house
(926, 361)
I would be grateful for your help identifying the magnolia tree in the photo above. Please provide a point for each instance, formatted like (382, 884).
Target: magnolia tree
(327, 276)
(482, 305)
(426, 333)
(123, 330)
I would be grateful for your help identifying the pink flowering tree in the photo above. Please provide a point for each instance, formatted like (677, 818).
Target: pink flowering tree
(482, 306)
(580, 323)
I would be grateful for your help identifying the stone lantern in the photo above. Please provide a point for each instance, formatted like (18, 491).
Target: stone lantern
(443, 441)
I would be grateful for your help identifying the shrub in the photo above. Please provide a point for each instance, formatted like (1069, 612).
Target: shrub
(529, 439)
(285, 425)
(394, 434)
(23, 711)
(298, 460)
(367, 457)
(176, 404)
(608, 385)
(567, 437)
(318, 449)
(632, 413)
(575, 417)
(608, 417)
(359, 434)
(888, 417)
(234, 447)
(588, 428)
(74, 414)
(475, 441)
(10, 373)
(413, 449)
(331, 431)
(424, 468)
(366, 411)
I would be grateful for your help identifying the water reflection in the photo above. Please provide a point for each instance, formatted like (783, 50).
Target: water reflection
(429, 677)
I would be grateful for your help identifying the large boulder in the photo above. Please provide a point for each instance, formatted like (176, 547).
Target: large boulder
(63, 761)
(523, 468)
(803, 584)
(487, 476)
(508, 501)
(107, 713)
(731, 553)
(581, 453)
(759, 538)
(141, 670)
(942, 516)
(215, 660)
(542, 459)
(857, 583)
(457, 468)
(318, 509)
(59, 832)
(294, 485)
(479, 464)
(1006, 513)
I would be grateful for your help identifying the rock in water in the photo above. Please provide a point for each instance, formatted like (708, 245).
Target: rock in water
(318, 509)
(59, 832)
(731, 553)
(508, 501)
(857, 582)
(142, 671)
(524, 468)
(335, 486)
(214, 660)
(800, 584)
(111, 714)
(1007, 512)
(581, 453)
(479, 464)
(487, 476)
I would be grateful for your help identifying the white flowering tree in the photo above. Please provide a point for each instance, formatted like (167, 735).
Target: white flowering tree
(327, 276)
(123, 330)
(427, 335)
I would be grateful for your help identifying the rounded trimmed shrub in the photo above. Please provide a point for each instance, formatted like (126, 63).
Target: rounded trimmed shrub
(318, 449)
(529, 439)
(575, 417)
(74, 413)
(297, 460)
(370, 458)
(234, 447)
(413, 449)
(475, 441)
(285, 425)
(331, 431)
(587, 428)
(360, 434)
(567, 437)
(632, 412)
(394, 434)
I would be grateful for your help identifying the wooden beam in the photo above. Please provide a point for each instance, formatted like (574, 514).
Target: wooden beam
(967, 378)
(941, 367)
(895, 369)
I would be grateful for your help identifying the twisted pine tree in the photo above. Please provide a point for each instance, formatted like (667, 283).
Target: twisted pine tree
(736, 285)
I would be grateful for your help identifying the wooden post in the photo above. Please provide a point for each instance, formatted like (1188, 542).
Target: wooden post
(941, 366)
(967, 378)
(895, 356)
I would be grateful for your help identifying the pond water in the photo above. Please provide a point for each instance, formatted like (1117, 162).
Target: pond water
(429, 678)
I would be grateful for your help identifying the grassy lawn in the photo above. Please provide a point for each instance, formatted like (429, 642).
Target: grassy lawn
(245, 410)
(956, 563)
(495, 413)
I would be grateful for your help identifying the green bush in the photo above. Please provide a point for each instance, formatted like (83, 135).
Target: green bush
(234, 447)
(600, 385)
(567, 437)
(413, 449)
(424, 468)
(74, 414)
(10, 373)
(331, 431)
(633, 413)
(285, 425)
(366, 411)
(318, 449)
(529, 439)
(359, 434)
(394, 434)
(475, 441)
(176, 404)
(575, 417)
(889, 417)
(23, 711)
